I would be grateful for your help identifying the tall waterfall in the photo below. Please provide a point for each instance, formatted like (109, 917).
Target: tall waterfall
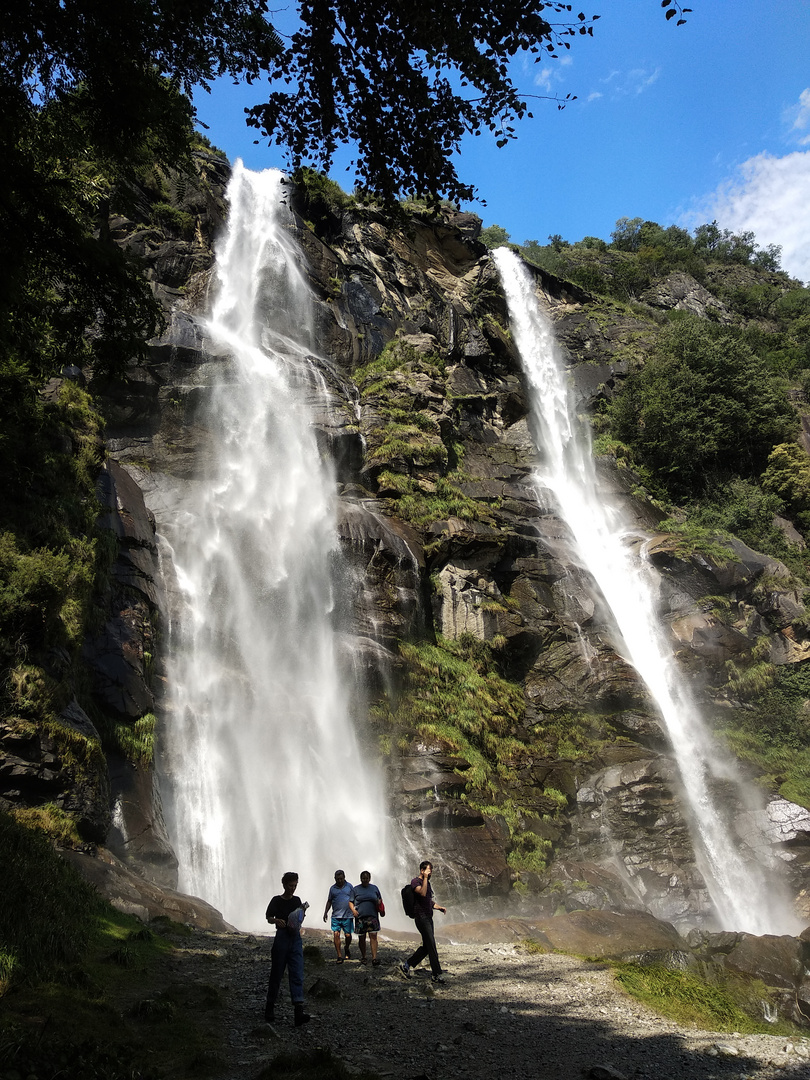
(744, 895)
(264, 767)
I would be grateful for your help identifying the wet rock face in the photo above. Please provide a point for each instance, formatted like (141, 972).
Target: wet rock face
(503, 572)
(120, 653)
(62, 767)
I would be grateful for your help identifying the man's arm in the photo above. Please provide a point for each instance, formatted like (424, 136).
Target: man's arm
(422, 888)
(328, 905)
(271, 917)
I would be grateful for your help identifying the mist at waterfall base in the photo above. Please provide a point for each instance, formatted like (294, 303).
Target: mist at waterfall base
(264, 766)
(745, 894)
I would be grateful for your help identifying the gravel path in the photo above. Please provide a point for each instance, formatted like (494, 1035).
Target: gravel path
(502, 1013)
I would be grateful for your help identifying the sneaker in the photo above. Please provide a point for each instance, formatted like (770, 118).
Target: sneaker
(406, 971)
(439, 979)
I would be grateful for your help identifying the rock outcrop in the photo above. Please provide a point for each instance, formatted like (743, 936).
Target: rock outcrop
(488, 561)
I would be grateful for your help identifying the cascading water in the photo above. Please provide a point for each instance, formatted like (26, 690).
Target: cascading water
(743, 896)
(263, 765)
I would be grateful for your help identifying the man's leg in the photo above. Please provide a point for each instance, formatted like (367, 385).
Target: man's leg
(348, 939)
(278, 960)
(428, 947)
(295, 971)
(422, 951)
(336, 939)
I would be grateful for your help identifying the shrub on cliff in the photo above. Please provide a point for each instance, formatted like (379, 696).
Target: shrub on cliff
(703, 408)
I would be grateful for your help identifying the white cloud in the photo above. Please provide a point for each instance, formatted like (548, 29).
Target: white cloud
(769, 196)
(639, 79)
(625, 83)
(800, 115)
(547, 75)
(544, 78)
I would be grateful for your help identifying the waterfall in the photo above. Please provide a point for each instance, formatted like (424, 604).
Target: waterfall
(264, 767)
(744, 895)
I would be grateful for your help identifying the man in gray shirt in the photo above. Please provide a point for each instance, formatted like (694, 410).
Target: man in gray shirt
(338, 900)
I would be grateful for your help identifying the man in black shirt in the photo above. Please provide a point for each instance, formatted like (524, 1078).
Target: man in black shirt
(424, 905)
(287, 951)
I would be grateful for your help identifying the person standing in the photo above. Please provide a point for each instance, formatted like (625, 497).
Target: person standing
(365, 905)
(286, 913)
(424, 908)
(339, 900)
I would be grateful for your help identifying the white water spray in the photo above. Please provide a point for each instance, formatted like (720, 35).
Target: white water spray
(264, 767)
(743, 896)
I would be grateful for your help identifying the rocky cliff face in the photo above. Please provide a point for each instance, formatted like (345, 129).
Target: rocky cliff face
(426, 420)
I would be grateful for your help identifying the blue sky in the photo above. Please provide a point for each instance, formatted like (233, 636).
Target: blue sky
(679, 125)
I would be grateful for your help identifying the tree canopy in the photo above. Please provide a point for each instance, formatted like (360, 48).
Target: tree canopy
(702, 408)
(404, 79)
(91, 91)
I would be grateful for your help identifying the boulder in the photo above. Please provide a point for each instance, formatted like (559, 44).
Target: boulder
(776, 961)
(132, 895)
(610, 934)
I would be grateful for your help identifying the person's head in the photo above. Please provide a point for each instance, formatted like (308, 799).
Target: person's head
(340, 878)
(289, 881)
(365, 877)
(426, 865)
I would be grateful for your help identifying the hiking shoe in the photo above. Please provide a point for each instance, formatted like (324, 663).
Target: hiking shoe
(439, 979)
(406, 971)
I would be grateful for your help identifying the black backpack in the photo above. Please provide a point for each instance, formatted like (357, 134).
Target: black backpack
(408, 900)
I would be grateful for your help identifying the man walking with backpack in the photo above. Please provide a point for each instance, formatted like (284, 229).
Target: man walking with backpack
(423, 907)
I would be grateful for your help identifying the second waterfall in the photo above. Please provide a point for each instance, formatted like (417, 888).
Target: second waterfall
(265, 772)
(744, 893)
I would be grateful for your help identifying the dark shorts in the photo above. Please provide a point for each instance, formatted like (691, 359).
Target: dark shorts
(367, 924)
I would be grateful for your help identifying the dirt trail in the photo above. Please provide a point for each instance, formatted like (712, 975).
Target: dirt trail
(502, 1012)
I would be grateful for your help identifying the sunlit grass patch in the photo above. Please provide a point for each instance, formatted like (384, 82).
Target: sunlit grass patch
(686, 998)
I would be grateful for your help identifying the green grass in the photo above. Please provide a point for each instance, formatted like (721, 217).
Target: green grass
(136, 741)
(691, 1001)
(691, 539)
(535, 948)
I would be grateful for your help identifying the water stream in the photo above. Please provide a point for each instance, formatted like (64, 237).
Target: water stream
(744, 893)
(265, 771)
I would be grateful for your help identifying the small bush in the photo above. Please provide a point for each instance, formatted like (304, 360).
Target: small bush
(171, 218)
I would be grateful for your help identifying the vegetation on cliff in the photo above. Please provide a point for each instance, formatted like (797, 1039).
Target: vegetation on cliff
(707, 413)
